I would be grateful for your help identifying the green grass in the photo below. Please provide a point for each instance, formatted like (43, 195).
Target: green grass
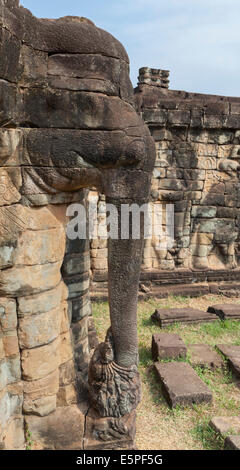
(159, 427)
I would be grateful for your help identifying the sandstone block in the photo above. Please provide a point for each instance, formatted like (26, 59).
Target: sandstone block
(14, 436)
(181, 385)
(204, 356)
(80, 330)
(37, 330)
(61, 430)
(65, 348)
(41, 247)
(202, 211)
(40, 407)
(8, 314)
(232, 354)
(225, 424)
(2, 352)
(41, 303)
(10, 344)
(40, 362)
(9, 193)
(10, 405)
(76, 264)
(232, 442)
(207, 163)
(28, 280)
(67, 395)
(10, 144)
(10, 371)
(225, 311)
(41, 388)
(167, 346)
(166, 317)
(67, 373)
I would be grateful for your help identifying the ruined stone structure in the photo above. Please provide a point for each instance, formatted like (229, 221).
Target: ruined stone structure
(197, 140)
(67, 123)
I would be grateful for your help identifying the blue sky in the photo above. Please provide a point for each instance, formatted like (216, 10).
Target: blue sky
(197, 40)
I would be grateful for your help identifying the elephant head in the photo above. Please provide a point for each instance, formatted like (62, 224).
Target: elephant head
(73, 101)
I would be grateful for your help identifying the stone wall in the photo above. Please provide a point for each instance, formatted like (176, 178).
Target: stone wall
(197, 171)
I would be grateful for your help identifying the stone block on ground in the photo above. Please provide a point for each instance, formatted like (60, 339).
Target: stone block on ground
(204, 356)
(169, 316)
(232, 443)
(226, 311)
(225, 424)
(61, 430)
(181, 384)
(167, 346)
(232, 354)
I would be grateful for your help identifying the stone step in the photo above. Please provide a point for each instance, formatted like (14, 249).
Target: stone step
(165, 317)
(225, 311)
(202, 355)
(181, 384)
(232, 443)
(232, 354)
(168, 346)
(224, 425)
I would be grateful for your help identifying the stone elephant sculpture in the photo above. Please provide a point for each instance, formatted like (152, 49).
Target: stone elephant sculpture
(67, 123)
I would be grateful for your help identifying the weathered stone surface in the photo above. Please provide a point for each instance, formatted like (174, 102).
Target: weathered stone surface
(14, 435)
(67, 373)
(10, 344)
(167, 346)
(166, 317)
(114, 390)
(37, 330)
(33, 67)
(61, 430)
(11, 146)
(10, 371)
(204, 356)
(80, 307)
(232, 443)
(40, 362)
(76, 264)
(225, 311)
(10, 52)
(8, 314)
(10, 405)
(67, 395)
(41, 406)
(40, 247)
(9, 193)
(42, 388)
(109, 433)
(29, 279)
(226, 424)
(41, 303)
(65, 348)
(232, 354)
(181, 384)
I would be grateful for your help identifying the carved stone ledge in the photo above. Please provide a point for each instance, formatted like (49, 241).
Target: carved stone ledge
(114, 391)
(109, 433)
